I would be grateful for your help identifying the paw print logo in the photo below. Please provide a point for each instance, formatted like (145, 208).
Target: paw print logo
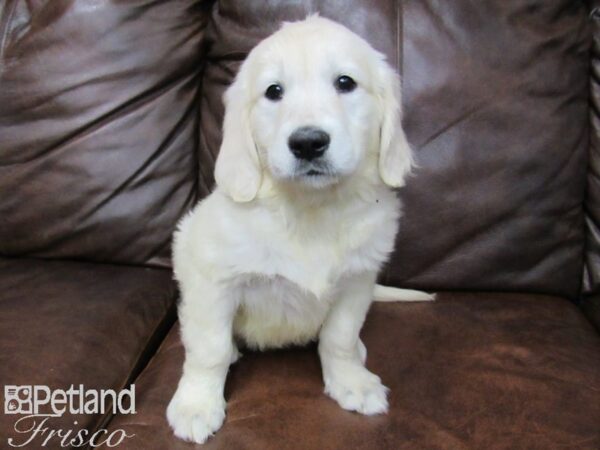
(17, 399)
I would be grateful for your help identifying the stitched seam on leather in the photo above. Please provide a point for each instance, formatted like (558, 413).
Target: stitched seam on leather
(399, 33)
(4, 26)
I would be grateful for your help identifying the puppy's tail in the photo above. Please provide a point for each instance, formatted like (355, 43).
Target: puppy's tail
(393, 294)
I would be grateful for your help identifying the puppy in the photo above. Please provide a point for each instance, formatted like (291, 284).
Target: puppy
(287, 248)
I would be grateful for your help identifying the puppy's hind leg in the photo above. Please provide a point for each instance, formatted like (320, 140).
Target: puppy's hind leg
(343, 355)
(206, 314)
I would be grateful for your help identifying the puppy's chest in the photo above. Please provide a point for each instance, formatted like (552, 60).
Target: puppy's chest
(314, 261)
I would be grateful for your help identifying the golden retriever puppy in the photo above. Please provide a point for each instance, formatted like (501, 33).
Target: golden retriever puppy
(287, 248)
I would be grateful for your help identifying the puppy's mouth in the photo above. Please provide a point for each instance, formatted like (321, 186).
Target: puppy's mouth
(316, 175)
(314, 170)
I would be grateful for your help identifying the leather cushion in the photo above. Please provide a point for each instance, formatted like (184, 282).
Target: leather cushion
(70, 323)
(470, 371)
(98, 126)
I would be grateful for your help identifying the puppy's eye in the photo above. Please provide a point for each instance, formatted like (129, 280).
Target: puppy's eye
(344, 84)
(274, 92)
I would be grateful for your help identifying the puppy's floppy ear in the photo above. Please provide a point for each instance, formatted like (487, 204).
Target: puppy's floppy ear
(237, 170)
(395, 155)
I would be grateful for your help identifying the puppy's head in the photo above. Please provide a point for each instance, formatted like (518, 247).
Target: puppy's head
(311, 105)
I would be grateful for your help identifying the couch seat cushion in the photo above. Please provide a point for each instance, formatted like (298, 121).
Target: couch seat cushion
(71, 323)
(470, 371)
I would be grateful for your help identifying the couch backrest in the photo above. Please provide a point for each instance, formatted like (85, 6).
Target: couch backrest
(99, 149)
(98, 126)
(496, 107)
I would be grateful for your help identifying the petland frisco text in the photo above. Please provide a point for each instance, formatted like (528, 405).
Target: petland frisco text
(39, 406)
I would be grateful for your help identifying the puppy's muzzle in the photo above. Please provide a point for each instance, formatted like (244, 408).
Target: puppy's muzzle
(308, 143)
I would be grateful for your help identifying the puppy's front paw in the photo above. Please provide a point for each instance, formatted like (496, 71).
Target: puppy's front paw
(195, 417)
(357, 389)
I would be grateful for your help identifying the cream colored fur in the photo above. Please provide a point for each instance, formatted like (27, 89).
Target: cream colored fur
(275, 257)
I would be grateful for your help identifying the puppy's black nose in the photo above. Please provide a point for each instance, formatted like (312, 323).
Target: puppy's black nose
(308, 143)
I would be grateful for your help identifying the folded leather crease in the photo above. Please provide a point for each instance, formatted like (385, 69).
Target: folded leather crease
(153, 158)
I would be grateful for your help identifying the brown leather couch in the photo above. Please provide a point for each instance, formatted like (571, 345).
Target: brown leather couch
(110, 117)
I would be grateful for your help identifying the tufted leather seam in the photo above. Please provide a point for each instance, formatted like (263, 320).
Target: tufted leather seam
(5, 20)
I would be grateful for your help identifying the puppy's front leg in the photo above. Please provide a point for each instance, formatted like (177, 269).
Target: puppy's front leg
(206, 314)
(343, 354)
